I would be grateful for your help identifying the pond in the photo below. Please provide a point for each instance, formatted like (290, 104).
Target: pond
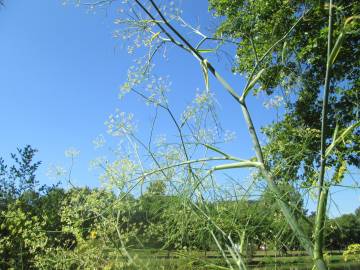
(335, 266)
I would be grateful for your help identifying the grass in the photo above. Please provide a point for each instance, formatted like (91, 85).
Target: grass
(196, 260)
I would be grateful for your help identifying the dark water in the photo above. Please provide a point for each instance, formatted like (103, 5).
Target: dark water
(346, 266)
(338, 266)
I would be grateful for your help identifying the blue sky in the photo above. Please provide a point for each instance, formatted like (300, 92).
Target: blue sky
(60, 75)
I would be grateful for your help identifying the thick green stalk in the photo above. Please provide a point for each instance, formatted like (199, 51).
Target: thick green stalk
(243, 242)
(289, 216)
(323, 190)
(319, 228)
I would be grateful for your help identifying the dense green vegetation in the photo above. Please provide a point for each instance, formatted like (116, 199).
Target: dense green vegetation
(52, 228)
(295, 72)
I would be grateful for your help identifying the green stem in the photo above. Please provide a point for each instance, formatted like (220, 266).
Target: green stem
(236, 165)
(318, 255)
(290, 218)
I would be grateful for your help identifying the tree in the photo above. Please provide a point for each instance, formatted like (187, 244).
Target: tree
(295, 70)
(19, 177)
(357, 212)
(21, 229)
(343, 231)
(29, 213)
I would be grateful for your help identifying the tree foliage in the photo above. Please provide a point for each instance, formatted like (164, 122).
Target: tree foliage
(295, 71)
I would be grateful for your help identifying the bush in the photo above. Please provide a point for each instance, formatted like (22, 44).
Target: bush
(352, 252)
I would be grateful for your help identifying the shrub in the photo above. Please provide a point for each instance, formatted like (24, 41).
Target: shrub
(352, 252)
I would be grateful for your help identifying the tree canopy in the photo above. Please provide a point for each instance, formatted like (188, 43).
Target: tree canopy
(295, 71)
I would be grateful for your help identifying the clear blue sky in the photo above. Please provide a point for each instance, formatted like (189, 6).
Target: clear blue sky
(60, 75)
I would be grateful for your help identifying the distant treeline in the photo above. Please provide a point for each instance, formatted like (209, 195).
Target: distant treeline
(42, 226)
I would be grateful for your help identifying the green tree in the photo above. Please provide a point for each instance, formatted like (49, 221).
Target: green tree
(20, 177)
(29, 213)
(343, 231)
(295, 69)
(21, 229)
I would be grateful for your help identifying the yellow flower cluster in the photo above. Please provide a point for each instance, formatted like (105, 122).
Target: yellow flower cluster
(93, 234)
